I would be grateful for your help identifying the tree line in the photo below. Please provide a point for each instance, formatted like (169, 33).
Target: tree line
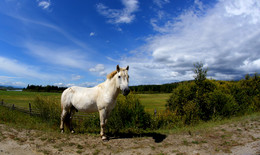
(40, 88)
(150, 89)
(165, 88)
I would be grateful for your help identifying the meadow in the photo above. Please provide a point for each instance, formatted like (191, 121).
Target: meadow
(189, 103)
(192, 106)
(22, 98)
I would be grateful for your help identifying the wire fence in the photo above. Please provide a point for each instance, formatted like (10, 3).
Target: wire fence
(31, 111)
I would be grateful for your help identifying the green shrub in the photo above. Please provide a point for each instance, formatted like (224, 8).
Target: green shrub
(47, 109)
(206, 99)
(222, 104)
(184, 93)
(128, 114)
(89, 124)
(246, 93)
(191, 115)
(166, 120)
(183, 103)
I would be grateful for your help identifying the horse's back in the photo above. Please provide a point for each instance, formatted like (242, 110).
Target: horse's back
(83, 99)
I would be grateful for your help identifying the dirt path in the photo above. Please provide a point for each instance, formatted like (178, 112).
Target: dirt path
(236, 138)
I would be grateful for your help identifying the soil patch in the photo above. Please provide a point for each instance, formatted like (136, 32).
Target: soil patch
(234, 138)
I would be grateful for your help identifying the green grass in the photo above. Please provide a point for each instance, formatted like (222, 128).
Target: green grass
(154, 101)
(207, 126)
(150, 101)
(21, 120)
(21, 98)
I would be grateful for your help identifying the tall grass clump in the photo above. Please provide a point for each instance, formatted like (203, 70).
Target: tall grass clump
(48, 109)
(129, 113)
(166, 120)
(22, 120)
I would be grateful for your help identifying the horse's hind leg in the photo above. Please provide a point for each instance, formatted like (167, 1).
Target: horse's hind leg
(72, 112)
(62, 119)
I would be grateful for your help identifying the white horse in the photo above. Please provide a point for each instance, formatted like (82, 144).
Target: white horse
(100, 98)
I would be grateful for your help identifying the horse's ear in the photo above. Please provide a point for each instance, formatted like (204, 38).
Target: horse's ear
(117, 68)
(127, 68)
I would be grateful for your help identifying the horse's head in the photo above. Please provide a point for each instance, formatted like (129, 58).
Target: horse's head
(122, 79)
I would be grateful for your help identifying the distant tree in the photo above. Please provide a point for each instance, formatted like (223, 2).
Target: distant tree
(201, 73)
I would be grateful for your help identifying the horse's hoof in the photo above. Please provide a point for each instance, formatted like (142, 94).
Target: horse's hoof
(62, 131)
(72, 131)
(104, 138)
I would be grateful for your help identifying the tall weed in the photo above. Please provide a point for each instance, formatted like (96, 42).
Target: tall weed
(48, 109)
(128, 113)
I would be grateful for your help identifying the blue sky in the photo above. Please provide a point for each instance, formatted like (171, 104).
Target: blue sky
(66, 43)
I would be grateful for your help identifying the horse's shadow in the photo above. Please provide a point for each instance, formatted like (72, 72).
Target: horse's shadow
(158, 138)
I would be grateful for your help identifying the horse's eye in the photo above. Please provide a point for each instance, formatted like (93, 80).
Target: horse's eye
(119, 77)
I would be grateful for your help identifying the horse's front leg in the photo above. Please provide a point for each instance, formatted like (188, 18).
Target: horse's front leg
(103, 121)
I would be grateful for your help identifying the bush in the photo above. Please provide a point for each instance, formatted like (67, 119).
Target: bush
(47, 109)
(166, 120)
(222, 104)
(206, 99)
(182, 103)
(180, 96)
(191, 115)
(128, 114)
(89, 124)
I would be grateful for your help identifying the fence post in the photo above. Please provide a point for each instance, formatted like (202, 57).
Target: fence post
(30, 109)
(155, 112)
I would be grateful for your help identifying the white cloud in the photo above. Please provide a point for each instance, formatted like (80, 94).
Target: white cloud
(119, 16)
(67, 57)
(60, 84)
(84, 84)
(14, 84)
(223, 37)
(76, 77)
(50, 26)
(160, 3)
(99, 68)
(44, 4)
(22, 70)
(88, 84)
(92, 34)
(11, 81)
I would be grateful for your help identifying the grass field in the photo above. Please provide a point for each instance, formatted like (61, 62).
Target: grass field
(154, 101)
(20, 98)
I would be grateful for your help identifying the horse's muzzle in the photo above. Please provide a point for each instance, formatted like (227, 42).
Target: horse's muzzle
(126, 91)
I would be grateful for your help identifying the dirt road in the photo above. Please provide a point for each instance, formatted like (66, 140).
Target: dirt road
(233, 138)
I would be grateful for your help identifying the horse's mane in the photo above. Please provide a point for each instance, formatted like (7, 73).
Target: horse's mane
(111, 75)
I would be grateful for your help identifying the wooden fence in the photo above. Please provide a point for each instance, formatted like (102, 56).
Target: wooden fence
(29, 110)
